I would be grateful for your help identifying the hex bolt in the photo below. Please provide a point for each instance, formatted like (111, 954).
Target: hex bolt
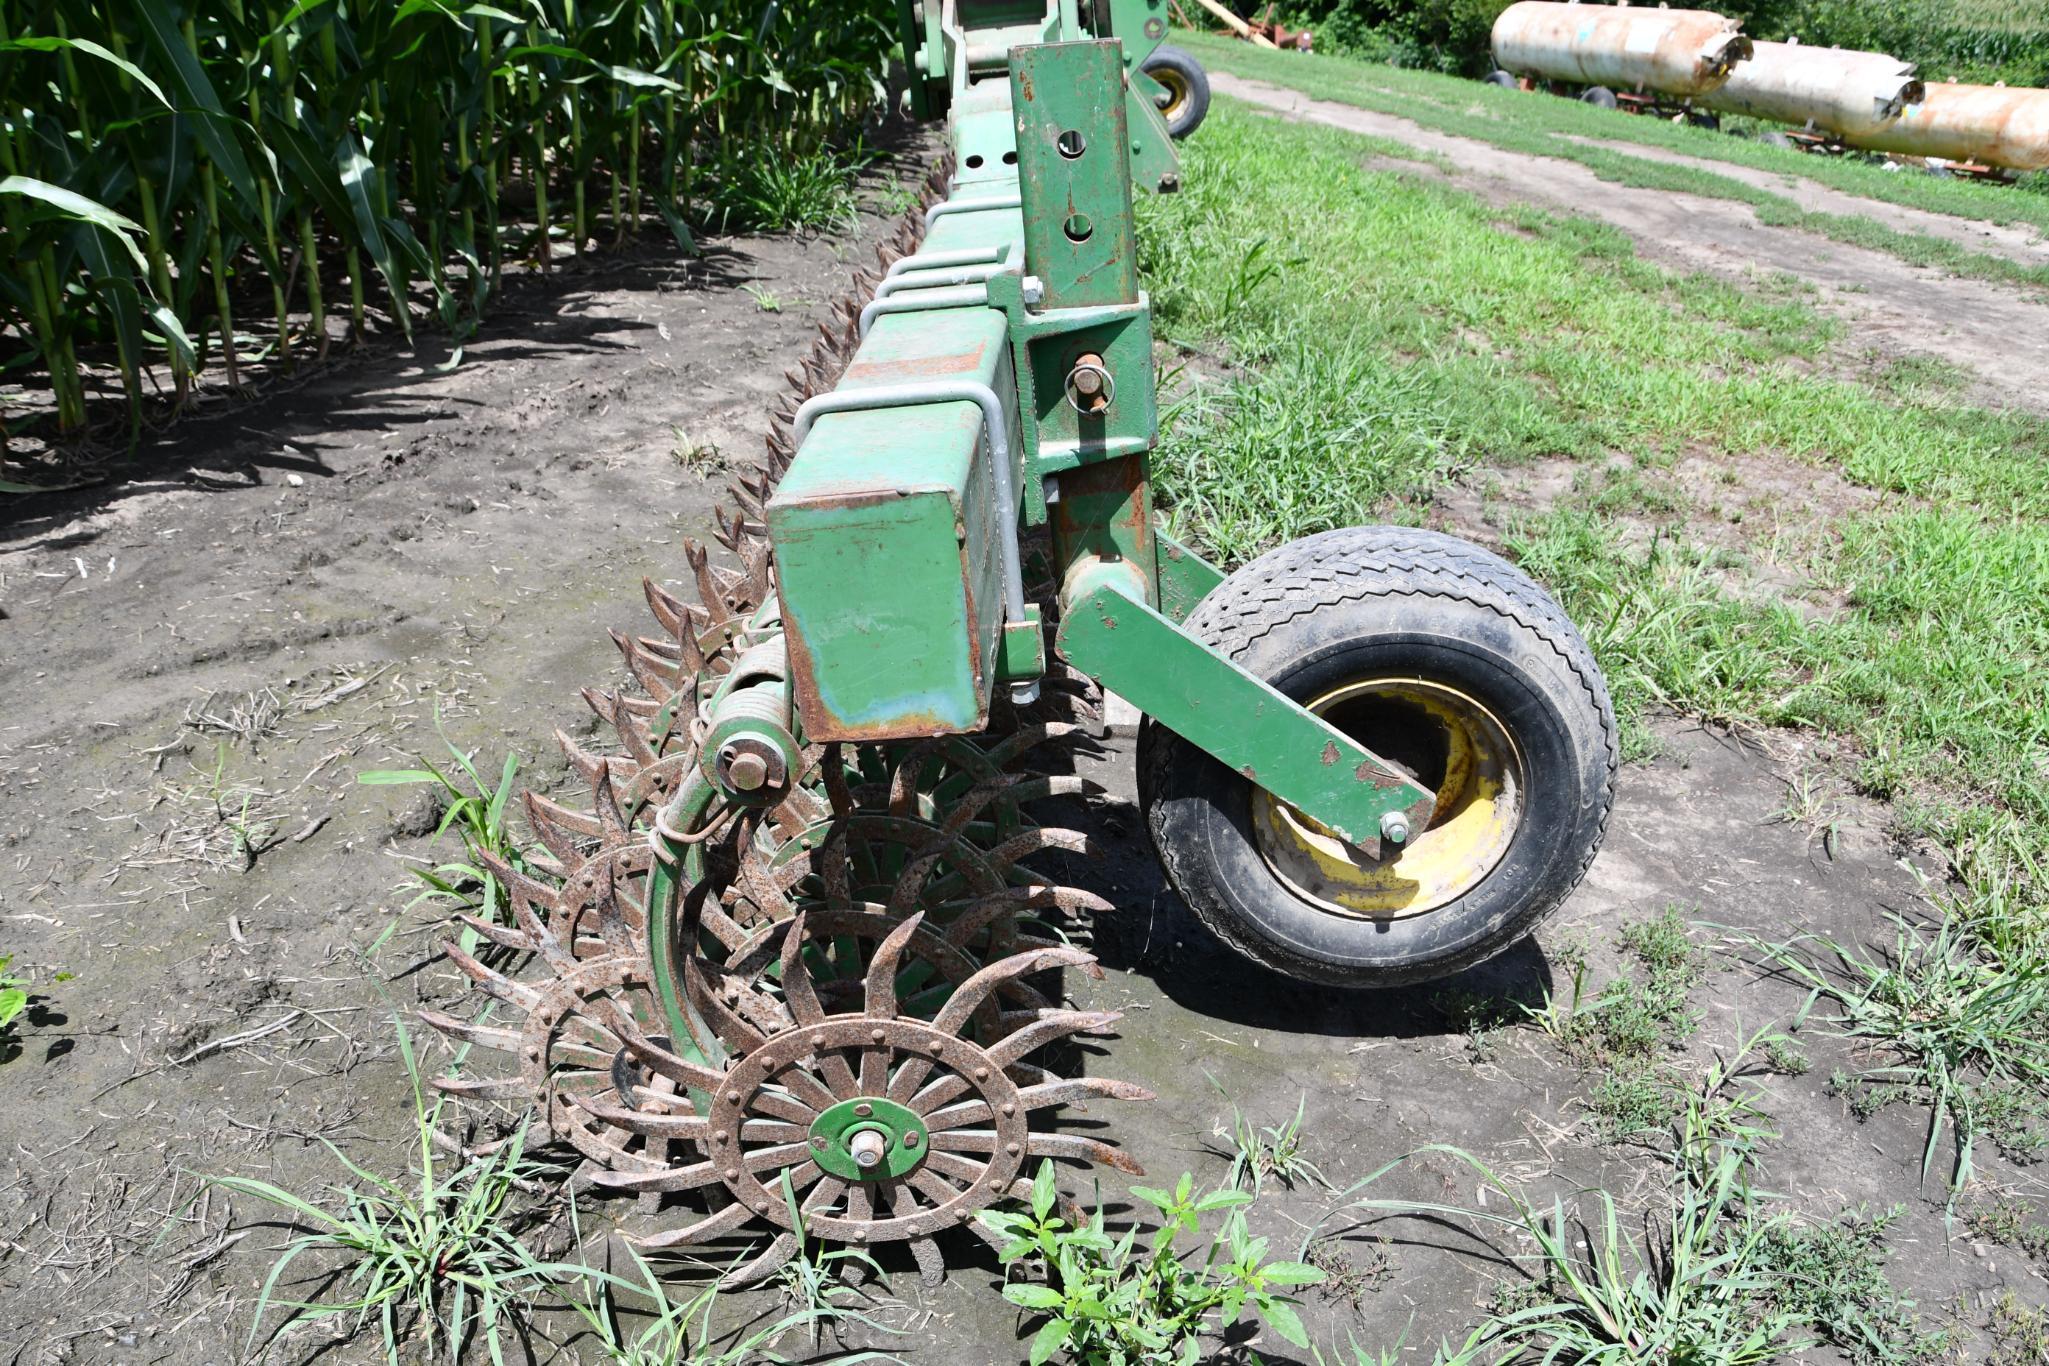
(911, 1138)
(864, 1109)
(1031, 289)
(868, 1147)
(1394, 826)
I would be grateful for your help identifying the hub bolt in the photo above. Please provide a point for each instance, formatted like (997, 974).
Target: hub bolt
(1394, 826)
(867, 1146)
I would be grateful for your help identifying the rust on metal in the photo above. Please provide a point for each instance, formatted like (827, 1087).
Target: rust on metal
(1676, 51)
(1994, 125)
(1330, 753)
(964, 362)
(1851, 94)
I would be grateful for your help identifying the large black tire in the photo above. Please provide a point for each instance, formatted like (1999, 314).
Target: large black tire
(1186, 84)
(1503, 79)
(1599, 96)
(1391, 602)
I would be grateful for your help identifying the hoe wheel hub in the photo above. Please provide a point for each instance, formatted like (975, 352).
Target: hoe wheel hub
(1452, 744)
(868, 1138)
(809, 1084)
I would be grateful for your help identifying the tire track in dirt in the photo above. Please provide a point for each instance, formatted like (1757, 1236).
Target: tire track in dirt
(1991, 331)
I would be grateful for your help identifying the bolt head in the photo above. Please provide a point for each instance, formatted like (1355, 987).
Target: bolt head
(747, 772)
(864, 1109)
(1032, 289)
(1394, 826)
(912, 1138)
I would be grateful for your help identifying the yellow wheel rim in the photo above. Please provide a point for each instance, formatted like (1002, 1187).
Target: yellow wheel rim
(1442, 737)
(1177, 91)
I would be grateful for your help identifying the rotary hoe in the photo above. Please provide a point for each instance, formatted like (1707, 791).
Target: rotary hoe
(791, 972)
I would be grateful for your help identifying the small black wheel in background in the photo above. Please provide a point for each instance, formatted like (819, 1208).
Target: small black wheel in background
(1599, 96)
(1504, 80)
(1444, 659)
(1705, 118)
(1185, 101)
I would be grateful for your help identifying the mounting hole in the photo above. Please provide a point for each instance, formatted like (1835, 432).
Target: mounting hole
(1010, 158)
(974, 161)
(1077, 227)
(1071, 144)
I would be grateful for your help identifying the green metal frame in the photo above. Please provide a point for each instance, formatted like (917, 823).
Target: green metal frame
(1007, 383)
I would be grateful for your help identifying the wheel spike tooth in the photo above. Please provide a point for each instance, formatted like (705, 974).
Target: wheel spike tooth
(662, 1062)
(668, 609)
(1084, 1149)
(969, 994)
(773, 1258)
(880, 988)
(690, 1127)
(551, 819)
(708, 1229)
(931, 1265)
(492, 982)
(466, 1031)
(1057, 1024)
(735, 1032)
(483, 1088)
(799, 992)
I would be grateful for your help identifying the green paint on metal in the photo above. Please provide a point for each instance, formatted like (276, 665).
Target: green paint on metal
(1185, 577)
(888, 558)
(1074, 172)
(896, 1144)
(1242, 721)
(1022, 653)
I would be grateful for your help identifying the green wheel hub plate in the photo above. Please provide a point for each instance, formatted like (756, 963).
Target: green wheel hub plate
(893, 1137)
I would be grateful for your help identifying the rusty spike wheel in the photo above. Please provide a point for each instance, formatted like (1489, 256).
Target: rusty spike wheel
(876, 1125)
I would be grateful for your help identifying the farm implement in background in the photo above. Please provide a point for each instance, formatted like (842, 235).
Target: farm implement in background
(1697, 65)
(791, 973)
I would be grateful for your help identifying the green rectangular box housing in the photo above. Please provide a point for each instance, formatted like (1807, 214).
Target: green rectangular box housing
(888, 566)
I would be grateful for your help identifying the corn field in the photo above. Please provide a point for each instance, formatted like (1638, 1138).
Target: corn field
(186, 183)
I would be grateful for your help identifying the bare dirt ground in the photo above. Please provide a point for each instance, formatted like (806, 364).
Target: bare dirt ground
(1996, 332)
(195, 668)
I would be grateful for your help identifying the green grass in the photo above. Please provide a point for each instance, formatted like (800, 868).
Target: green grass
(1710, 1270)
(1548, 126)
(1393, 338)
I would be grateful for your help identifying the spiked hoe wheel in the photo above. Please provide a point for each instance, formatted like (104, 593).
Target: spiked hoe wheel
(863, 1040)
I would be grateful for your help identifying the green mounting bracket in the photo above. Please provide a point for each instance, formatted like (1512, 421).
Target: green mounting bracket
(1108, 632)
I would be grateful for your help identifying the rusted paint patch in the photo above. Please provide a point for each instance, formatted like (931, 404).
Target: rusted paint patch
(1380, 778)
(1330, 752)
(917, 367)
(1250, 774)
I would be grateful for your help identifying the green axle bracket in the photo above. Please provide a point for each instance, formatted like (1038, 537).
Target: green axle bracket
(1109, 633)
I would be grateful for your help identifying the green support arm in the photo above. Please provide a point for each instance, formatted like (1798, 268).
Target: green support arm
(1109, 633)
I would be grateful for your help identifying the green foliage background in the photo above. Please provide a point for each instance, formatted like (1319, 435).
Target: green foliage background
(1969, 40)
(171, 167)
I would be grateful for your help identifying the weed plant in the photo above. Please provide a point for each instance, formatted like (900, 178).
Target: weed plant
(435, 1258)
(1712, 1272)
(634, 1322)
(477, 811)
(1968, 1031)
(1109, 1301)
(1259, 1153)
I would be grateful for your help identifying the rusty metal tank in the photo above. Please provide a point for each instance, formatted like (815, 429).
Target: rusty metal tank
(1685, 52)
(1993, 125)
(1851, 94)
